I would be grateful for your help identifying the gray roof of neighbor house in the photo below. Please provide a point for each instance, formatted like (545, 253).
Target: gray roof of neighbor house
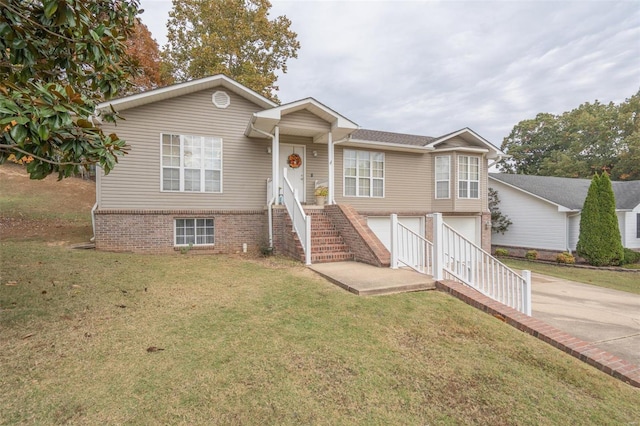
(390, 137)
(569, 192)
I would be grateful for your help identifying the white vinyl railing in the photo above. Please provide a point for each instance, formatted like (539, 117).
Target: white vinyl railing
(452, 256)
(465, 262)
(409, 248)
(301, 222)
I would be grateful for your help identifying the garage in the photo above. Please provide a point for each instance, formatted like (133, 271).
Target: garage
(468, 227)
(381, 226)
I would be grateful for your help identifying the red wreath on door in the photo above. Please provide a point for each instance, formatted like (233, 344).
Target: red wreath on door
(294, 161)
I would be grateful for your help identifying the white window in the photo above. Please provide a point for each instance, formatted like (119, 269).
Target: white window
(195, 232)
(363, 173)
(443, 176)
(191, 163)
(468, 177)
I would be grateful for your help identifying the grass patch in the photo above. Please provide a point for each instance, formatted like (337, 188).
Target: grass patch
(251, 341)
(266, 342)
(623, 281)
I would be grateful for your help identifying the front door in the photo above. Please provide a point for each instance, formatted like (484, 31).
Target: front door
(289, 155)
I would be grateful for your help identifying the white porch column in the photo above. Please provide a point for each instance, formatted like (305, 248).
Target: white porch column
(438, 246)
(330, 197)
(275, 163)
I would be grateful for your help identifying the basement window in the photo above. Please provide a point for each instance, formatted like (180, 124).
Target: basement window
(197, 232)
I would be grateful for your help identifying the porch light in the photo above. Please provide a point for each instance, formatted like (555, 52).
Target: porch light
(268, 150)
(315, 153)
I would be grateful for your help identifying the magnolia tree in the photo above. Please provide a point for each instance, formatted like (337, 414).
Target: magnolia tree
(58, 60)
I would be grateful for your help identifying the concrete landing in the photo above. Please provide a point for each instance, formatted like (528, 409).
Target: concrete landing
(367, 280)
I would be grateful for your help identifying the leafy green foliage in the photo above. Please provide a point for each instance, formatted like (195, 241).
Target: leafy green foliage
(58, 60)
(502, 252)
(566, 258)
(531, 255)
(599, 241)
(231, 37)
(589, 139)
(499, 222)
(629, 257)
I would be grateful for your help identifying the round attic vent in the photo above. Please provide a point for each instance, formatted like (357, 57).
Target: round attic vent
(221, 99)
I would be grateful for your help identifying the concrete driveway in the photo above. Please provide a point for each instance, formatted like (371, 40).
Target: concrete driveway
(609, 319)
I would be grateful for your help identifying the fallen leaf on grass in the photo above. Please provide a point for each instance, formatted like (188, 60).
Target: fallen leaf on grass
(154, 349)
(26, 336)
(12, 283)
(121, 306)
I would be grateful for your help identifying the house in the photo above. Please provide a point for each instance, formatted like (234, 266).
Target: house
(545, 211)
(206, 171)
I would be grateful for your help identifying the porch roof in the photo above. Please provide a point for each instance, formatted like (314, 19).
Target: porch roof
(266, 120)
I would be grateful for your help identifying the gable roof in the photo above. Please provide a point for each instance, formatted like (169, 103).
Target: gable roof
(569, 192)
(266, 120)
(180, 89)
(420, 143)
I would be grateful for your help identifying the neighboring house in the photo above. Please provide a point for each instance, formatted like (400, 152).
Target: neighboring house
(545, 211)
(205, 171)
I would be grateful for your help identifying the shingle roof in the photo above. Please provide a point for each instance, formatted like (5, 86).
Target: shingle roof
(569, 192)
(389, 137)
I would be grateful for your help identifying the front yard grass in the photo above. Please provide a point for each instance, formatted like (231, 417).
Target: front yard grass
(266, 342)
(623, 281)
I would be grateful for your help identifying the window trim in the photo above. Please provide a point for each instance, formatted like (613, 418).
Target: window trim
(195, 229)
(469, 180)
(181, 168)
(435, 176)
(371, 178)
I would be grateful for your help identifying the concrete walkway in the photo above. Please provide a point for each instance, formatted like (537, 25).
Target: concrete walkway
(367, 280)
(608, 319)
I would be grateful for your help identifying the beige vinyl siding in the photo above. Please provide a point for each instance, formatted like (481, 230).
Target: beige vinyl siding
(408, 183)
(303, 120)
(536, 223)
(135, 182)
(458, 142)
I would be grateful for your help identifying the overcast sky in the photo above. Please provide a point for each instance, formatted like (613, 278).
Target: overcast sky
(430, 68)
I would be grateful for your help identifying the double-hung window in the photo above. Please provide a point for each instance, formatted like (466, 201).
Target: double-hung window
(191, 163)
(468, 177)
(195, 232)
(363, 173)
(443, 176)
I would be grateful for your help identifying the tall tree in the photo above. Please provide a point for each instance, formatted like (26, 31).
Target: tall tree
(599, 241)
(594, 137)
(232, 37)
(144, 51)
(58, 59)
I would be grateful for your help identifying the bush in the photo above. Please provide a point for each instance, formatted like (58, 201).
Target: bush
(531, 255)
(629, 256)
(599, 241)
(566, 258)
(501, 252)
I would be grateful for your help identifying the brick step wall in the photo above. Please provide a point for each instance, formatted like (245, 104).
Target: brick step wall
(327, 245)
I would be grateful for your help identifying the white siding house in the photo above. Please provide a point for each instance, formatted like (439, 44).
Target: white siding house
(545, 211)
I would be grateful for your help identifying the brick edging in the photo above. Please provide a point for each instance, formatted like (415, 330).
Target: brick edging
(584, 351)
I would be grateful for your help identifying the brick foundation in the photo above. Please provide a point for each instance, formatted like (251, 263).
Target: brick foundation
(362, 242)
(284, 238)
(152, 231)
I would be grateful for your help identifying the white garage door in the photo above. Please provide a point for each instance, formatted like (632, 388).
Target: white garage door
(381, 226)
(468, 227)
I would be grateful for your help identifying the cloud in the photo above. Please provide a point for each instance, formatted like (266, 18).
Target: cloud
(430, 67)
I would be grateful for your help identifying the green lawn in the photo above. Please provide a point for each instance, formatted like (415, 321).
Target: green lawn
(266, 342)
(623, 281)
